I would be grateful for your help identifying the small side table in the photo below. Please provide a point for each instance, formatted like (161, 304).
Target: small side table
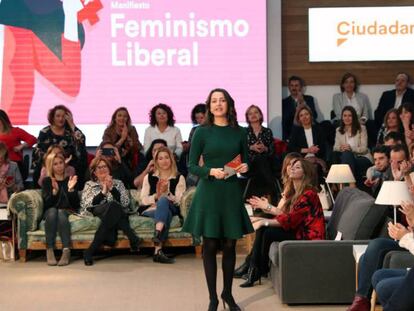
(358, 251)
(6, 216)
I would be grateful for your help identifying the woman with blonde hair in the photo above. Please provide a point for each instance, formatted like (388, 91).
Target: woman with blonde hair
(298, 216)
(162, 192)
(60, 198)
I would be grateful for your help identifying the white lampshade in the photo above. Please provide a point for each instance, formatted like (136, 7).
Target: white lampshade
(393, 193)
(340, 174)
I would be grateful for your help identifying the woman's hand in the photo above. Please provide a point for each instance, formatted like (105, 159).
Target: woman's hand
(260, 223)
(55, 186)
(117, 156)
(124, 133)
(69, 120)
(218, 173)
(397, 231)
(72, 182)
(150, 167)
(242, 168)
(314, 149)
(162, 187)
(19, 148)
(345, 147)
(258, 203)
(109, 182)
(407, 208)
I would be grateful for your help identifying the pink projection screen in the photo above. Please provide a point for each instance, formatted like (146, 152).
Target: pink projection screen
(137, 54)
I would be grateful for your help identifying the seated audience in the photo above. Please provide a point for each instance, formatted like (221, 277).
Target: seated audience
(162, 192)
(392, 123)
(16, 140)
(56, 149)
(299, 216)
(380, 171)
(162, 126)
(351, 144)
(350, 96)
(261, 155)
(106, 198)
(407, 120)
(155, 145)
(394, 98)
(10, 178)
(296, 87)
(123, 135)
(372, 260)
(60, 199)
(400, 163)
(198, 115)
(120, 170)
(61, 131)
(395, 287)
(308, 139)
(394, 138)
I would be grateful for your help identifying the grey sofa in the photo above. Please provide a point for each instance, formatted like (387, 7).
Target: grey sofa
(306, 272)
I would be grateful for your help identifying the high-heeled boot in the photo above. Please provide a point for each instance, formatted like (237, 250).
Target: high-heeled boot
(229, 300)
(242, 269)
(213, 305)
(252, 276)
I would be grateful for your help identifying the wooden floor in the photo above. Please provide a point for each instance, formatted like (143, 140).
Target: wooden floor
(125, 282)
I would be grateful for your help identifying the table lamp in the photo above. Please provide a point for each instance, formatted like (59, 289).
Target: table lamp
(339, 174)
(393, 193)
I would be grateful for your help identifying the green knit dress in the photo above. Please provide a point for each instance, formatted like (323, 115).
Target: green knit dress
(217, 209)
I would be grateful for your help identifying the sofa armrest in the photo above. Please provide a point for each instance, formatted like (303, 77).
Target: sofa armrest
(316, 271)
(28, 207)
(398, 260)
(185, 202)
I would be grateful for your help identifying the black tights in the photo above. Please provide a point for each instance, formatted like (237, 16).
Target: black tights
(210, 248)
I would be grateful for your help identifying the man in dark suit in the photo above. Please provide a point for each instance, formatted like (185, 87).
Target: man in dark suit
(289, 104)
(394, 98)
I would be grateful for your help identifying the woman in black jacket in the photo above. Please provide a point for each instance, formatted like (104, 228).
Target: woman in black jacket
(60, 198)
(308, 139)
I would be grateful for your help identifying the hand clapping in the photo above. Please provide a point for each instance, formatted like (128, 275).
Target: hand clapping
(72, 182)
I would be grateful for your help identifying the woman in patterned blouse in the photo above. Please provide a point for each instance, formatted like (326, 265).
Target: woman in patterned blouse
(261, 151)
(61, 131)
(298, 216)
(108, 199)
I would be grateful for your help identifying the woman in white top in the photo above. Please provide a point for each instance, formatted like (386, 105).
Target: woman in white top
(351, 144)
(162, 126)
(162, 192)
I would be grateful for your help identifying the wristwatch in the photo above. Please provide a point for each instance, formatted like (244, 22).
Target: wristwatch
(269, 207)
(266, 223)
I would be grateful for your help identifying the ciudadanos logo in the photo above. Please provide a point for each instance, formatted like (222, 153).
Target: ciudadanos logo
(348, 29)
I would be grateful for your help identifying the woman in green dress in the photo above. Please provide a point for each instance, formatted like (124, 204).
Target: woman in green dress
(217, 212)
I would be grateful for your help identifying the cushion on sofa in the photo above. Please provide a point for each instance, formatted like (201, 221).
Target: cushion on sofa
(355, 215)
(32, 199)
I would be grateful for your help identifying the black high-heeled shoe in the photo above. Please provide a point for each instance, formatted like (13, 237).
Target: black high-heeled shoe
(213, 305)
(242, 269)
(229, 300)
(87, 259)
(252, 276)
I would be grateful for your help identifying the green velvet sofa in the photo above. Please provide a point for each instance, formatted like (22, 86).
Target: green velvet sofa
(27, 206)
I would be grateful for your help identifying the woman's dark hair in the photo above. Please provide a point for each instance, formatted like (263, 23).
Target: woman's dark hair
(199, 108)
(167, 109)
(355, 126)
(231, 110)
(52, 112)
(346, 77)
(4, 118)
(4, 151)
(410, 108)
(128, 122)
(247, 113)
(148, 155)
(95, 163)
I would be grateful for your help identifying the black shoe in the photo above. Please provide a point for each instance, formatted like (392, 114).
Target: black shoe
(242, 269)
(229, 300)
(87, 258)
(162, 258)
(253, 276)
(157, 237)
(213, 305)
(135, 245)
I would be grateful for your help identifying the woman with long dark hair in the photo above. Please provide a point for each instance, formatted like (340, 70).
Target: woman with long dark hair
(123, 135)
(217, 212)
(351, 144)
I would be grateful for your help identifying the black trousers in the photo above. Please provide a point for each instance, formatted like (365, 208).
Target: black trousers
(264, 237)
